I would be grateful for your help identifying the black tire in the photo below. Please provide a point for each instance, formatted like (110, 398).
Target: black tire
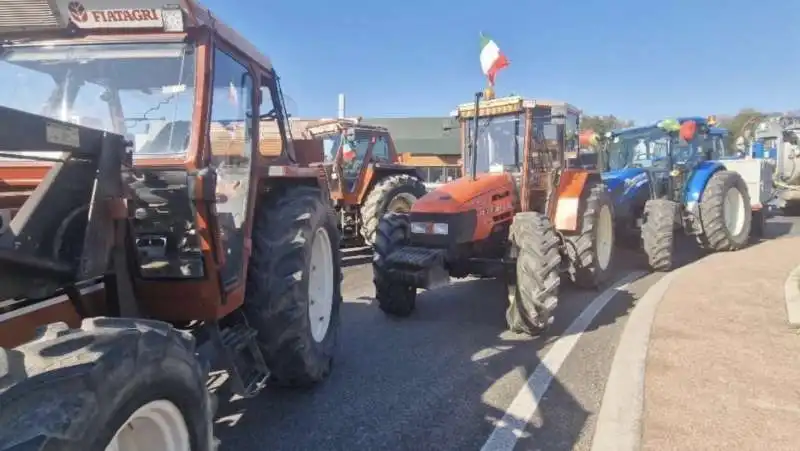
(394, 298)
(716, 236)
(658, 233)
(377, 203)
(585, 268)
(277, 300)
(72, 389)
(534, 295)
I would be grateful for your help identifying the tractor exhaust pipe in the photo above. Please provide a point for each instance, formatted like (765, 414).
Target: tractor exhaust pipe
(473, 145)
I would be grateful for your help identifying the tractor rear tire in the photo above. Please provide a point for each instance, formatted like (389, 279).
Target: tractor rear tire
(591, 251)
(395, 193)
(725, 194)
(280, 298)
(394, 298)
(134, 381)
(534, 295)
(658, 233)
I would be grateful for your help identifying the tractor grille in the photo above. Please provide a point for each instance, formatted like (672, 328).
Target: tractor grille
(17, 15)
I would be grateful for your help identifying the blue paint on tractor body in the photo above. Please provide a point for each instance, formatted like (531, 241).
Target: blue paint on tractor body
(697, 181)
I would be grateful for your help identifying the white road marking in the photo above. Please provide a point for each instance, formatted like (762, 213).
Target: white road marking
(512, 426)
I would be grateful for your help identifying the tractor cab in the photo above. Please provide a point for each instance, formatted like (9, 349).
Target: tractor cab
(188, 93)
(667, 150)
(524, 139)
(365, 179)
(349, 149)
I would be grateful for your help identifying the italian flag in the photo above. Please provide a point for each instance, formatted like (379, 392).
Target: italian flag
(492, 59)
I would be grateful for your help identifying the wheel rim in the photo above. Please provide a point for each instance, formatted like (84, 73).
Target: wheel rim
(320, 285)
(604, 237)
(733, 210)
(401, 203)
(156, 425)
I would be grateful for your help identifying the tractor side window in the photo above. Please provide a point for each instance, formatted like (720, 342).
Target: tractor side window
(271, 140)
(231, 146)
(380, 151)
(435, 174)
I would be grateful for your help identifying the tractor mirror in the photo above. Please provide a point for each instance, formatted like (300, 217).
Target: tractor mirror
(688, 130)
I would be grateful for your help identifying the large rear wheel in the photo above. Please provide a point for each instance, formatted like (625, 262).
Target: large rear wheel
(115, 384)
(393, 194)
(725, 212)
(534, 294)
(591, 250)
(294, 285)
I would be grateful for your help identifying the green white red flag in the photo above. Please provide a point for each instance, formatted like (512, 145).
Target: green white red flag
(492, 59)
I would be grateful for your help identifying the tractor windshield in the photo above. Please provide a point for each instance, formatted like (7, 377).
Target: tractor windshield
(144, 91)
(645, 148)
(499, 143)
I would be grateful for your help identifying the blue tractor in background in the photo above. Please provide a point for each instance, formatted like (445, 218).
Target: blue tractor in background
(667, 176)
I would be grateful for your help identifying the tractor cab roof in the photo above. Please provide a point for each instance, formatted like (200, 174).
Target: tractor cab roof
(510, 104)
(648, 129)
(25, 20)
(335, 126)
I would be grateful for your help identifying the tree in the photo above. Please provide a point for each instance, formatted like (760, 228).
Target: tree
(603, 124)
(741, 125)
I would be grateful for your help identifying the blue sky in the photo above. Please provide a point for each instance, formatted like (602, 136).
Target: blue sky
(640, 60)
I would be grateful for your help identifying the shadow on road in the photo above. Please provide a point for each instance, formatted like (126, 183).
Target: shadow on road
(436, 380)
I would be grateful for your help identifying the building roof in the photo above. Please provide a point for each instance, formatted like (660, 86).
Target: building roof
(422, 135)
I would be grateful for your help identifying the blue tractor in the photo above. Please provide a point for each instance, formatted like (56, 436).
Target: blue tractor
(667, 176)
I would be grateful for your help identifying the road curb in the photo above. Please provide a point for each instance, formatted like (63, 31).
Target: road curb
(792, 297)
(619, 423)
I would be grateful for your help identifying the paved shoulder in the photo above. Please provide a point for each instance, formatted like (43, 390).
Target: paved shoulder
(721, 366)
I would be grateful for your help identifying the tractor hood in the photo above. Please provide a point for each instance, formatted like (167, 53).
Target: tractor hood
(457, 196)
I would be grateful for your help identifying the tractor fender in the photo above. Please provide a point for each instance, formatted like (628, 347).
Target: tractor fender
(696, 184)
(572, 184)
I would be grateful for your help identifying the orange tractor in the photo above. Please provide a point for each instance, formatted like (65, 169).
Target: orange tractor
(364, 175)
(152, 226)
(520, 215)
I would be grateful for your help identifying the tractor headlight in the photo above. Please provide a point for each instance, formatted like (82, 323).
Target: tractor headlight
(427, 228)
(440, 228)
(419, 227)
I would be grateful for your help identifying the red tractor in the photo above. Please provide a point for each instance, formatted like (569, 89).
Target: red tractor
(365, 177)
(148, 232)
(520, 215)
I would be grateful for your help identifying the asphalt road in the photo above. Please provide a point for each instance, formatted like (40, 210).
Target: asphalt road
(443, 378)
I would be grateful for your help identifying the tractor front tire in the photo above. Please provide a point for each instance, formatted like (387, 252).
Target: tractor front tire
(393, 297)
(134, 383)
(534, 294)
(294, 285)
(393, 194)
(725, 212)
(591, 250)
(658, 233)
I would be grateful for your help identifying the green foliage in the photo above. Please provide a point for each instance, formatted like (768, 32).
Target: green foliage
(741, 125)
(603, 124)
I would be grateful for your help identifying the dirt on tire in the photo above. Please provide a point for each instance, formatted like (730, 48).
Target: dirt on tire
(277, 298)
(72, 389)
